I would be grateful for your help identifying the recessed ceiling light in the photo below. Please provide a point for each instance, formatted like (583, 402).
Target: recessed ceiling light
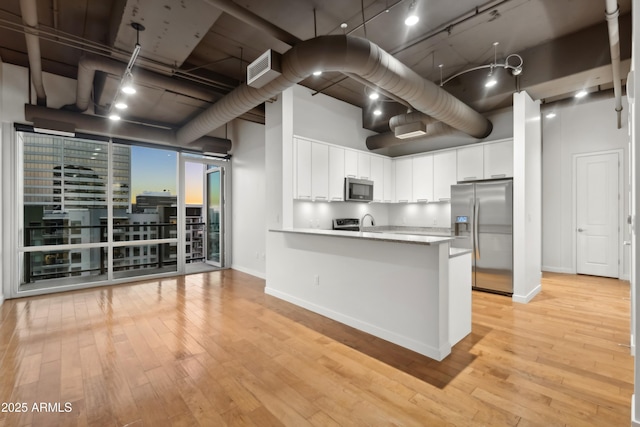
(317, 73)
(114, 117)
(377, 112)
(121, 105)
(581, 94)
(374, 95)
(550, 115)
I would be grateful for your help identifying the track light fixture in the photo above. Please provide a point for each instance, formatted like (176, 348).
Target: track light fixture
(126, 82)
(516, 68)
(412, 15)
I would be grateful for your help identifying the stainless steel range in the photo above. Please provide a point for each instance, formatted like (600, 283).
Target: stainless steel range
(346, 224)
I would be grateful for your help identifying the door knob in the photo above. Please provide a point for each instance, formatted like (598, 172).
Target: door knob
(580, 230)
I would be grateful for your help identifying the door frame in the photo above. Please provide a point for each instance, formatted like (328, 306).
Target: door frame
(225, 166)
(574, 208)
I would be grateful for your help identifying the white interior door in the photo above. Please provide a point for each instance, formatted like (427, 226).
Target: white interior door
(597, 214)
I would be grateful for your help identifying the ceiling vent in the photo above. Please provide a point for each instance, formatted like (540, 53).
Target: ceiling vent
(264, 69)
(410, 130)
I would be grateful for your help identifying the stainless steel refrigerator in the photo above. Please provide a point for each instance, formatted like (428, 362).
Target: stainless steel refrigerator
(482, 217)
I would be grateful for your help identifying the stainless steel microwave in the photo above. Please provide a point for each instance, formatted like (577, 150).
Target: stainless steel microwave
(358, 190)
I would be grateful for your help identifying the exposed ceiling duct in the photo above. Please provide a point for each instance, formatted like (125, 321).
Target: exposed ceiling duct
(612, 12)
(131, 131)
(346, 54)
(29, 12)
(88, 65)
(389, 139)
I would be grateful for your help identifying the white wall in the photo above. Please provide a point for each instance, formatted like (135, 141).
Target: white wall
(527, 197)
(248, 191)
(2, 119)
(585, 127)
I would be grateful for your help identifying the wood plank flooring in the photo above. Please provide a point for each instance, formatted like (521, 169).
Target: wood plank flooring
(212, 349)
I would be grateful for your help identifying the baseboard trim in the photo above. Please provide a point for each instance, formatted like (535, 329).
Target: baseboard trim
(260, 274)
(558, 270)
(432, 352)
(524, 299)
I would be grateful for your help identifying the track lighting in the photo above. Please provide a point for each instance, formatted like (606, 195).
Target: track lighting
(581, 94)
(412, 15)
(114, 117)
(126, 83)
(516, 69)
(121, 105)
(317, 73)
(374, 95)
(377, 112)
(550, 115)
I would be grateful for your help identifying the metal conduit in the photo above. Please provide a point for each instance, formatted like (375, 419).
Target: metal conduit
(346, 54)
(612, 13)
(29, 12)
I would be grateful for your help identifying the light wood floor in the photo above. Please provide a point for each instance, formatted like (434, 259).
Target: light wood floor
(212, 349)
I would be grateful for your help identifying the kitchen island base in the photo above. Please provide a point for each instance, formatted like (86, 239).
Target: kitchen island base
(396, 291)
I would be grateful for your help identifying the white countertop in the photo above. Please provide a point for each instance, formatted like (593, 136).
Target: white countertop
(454, 252)
(387, 237)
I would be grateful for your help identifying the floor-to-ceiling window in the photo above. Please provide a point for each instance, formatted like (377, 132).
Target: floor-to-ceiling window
(95, 211)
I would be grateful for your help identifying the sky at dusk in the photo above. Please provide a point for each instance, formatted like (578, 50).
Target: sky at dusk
(155, 170)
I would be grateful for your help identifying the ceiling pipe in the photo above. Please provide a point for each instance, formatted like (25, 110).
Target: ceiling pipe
(131, 131)
(88, 65)
(345, 54)
(244, 15)
(612, 13)
(29, 12)
(389, 139)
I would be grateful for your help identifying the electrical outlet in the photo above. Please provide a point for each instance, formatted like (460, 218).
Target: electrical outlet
(316, 280)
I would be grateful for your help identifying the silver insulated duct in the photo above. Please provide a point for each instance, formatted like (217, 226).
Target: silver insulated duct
(29, 12)
(345, 54)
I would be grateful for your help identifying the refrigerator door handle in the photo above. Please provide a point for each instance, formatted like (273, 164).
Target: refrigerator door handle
(476, 213)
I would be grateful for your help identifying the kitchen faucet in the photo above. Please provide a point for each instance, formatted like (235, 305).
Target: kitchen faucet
(373, 222)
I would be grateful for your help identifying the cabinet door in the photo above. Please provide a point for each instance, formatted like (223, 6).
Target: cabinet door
(387, 188)
(498, 160)
(377, 176)
(444, 174)
(336, 173)
(303, 169)
(350, 163)
(422, 178)
(364, 166)
(404, 178)
(319, 171)
(470, 163)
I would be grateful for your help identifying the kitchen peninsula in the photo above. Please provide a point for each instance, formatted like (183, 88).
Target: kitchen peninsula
(406, 289)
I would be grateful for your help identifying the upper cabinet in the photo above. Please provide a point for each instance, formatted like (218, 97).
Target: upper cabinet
(319, 171)
(498, 159)
(404, 179)
(350, 163)
(422, 173)
(377, 176)
(444, 174)
(364, 165)
(387, 187)
(336, 173)
(302, 188)
(470, 163)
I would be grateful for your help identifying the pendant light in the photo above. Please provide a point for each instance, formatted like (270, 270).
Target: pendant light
(412, 15)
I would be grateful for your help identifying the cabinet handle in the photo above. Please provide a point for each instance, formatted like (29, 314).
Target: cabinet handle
(336, 198)
(468, 178)
(422, 200)
(502, 175)
(364, 177)
(321, 197)
(403, 201)
(351, 176)
(304, 197)
(445, 199)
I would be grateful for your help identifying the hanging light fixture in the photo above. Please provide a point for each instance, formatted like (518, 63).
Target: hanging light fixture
(126, 83)
(412, 15)
(491, 81)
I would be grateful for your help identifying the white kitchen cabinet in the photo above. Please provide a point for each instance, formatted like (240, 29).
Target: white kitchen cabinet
(498, 160)
(404, 179)
(319, 171)
(387, 188)
(350, 163)
(336, 173)
(303, 169)
(422, 173)
(377, 176)
(470, 163)
(444, 174)
(364, 166)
